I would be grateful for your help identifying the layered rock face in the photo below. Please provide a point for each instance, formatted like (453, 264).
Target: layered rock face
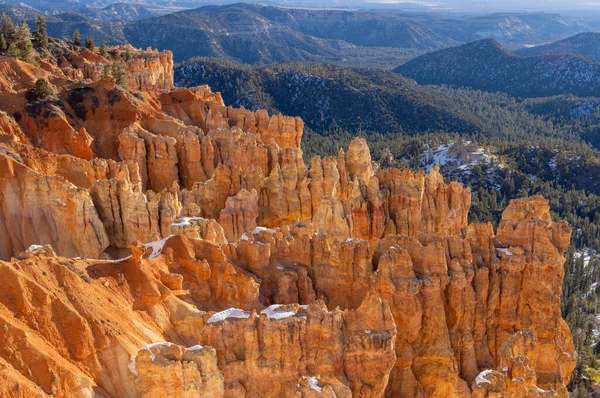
(148, 70)
(48, 209)
(159, 243)
(517, 378)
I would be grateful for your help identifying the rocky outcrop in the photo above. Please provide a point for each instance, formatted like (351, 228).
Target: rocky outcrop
(146, 70)
(335, 279)
(47, 127)
(116, 316)
(200, 228)
(531, 248)
(420, 203)
(516, 375)
(130, 215)
(10, 131)
(150, 70)
(273, 361)
(37, 209)
(169, 370)
(321, 387)
(239, 215)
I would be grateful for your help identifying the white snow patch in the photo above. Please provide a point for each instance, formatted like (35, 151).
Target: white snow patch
(505, 251)
(229, 313)
(159, 344)
(462, 157)
(119, 260)
(481, 377)
(258, 230)
(314, 384)
(131, 366)
(586, 254)
(368, 331)
(157, 246)
(33, 248)
(273, 313)
(355, 240)
(197, 347)
(245, 237)
(61, 202)
(184, 221)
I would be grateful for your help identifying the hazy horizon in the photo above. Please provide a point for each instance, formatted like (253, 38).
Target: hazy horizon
(580, 7)
(456, 5)
(528, 5)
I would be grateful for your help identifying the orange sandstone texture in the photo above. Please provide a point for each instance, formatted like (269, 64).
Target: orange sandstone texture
(216, 263)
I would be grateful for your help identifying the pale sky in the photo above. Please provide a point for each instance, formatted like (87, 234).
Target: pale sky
(565, 7)
(502, 4)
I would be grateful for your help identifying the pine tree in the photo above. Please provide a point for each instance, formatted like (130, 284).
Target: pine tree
(41, 33)
(13, 51)
(8, 26)
(89, 43)
(41, 90)
(76, 37)
(103, 50)
(23, 43)
(3, 46)
(119, 72)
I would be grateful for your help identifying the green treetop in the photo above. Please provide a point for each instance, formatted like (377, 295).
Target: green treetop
(103, 50)
(21, 46)
(76, 37)
(8, 26)
(89, 43)
(41, 33)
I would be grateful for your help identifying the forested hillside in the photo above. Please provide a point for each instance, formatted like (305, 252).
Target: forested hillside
(332, 98)
(486, 65)
(586, 44)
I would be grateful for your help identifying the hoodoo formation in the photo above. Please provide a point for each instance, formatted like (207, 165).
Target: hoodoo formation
(158, 243)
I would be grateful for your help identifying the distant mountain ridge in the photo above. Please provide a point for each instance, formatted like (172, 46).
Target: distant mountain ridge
(486, 65)
(235, 32)
(116, 12)
(260, 34)
(586, 44)
(102, 24)
(252, 33)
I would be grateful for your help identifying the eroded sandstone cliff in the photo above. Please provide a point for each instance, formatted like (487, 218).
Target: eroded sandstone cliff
(159, 243)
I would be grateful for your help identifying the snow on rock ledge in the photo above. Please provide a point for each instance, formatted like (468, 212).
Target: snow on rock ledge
(229, 313)
(170, 370)
(275, 313)
(157, 246)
